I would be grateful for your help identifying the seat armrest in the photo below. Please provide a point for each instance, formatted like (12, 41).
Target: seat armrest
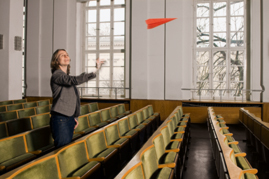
(240, 155)
(36, 152)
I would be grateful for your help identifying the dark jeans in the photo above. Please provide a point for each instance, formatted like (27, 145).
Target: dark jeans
(62, 128)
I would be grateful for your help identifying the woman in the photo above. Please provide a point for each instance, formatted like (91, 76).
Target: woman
(66, 102)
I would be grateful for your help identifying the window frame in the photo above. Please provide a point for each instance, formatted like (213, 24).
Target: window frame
(99, 51)
(210, 49)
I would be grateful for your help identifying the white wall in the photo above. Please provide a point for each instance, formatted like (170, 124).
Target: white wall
(51, 25)
(11, 21)
(162, 56)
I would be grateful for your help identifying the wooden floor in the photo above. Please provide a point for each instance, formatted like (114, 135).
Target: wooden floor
(200, 163)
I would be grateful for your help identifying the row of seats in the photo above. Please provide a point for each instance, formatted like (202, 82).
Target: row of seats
(17, 126)
(21, 113)
(163, 155)
(13, 102)
(40, 139)
(230, 161)
(257, 132)
(12, 107)
(99, 154)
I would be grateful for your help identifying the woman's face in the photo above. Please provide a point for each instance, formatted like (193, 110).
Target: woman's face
(63, 58)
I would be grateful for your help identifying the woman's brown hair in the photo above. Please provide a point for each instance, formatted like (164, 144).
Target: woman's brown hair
(54, 64)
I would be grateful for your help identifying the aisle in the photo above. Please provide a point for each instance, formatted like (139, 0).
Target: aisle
(200, 163)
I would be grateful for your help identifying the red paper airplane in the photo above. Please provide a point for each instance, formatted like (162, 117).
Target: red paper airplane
(156, 22)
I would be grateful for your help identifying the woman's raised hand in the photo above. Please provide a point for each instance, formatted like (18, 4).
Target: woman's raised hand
(99, 63)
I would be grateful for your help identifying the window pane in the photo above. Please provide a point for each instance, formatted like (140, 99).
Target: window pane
(202, 40)
(91, 59)
(91, 91)
(118, 73)
(219, 85)
(219, 9)
(237, 8)
(104, 29)
(219, 24)
(118, 84)
(219, 58)
(202, 86)
(91, 43)
(237, 57)
(119, 2)
(118, 59)
(105, 2)
(203, 10)
(237, 39)
(202, 25)
(90, 69)
(104, 43)
(104, 15)
(104, 73)
(237, 23)
(202, 73)
(219, 73)
(106, 57)
(237, 92)
(119, 14)
(237, 73)
(91, 16)
(91, 30)
(92, 3)
(105, 88)
(119, 28)
(219, 39)
(202, 58)
(118, 42)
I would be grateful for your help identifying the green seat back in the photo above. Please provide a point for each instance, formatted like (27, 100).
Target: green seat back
(84, 110)
(123, 126)
(159, 146)
(40, 120)
(83, 123)
(136, 173)
(42, 109)
(93, 107)
(121, 108)
(19, 101)
(145, 113)
(166, 136)
(3, 130)
(30, 105)
(132, 121)
(43, 103)
(149, 162)
(170, 128)
(113, 111)
(150, 110)
(3, 109)
(180, 112)
(26, 112)
(46, 168)
(72, 158)
(18, 126)
(14, 107)
(39, 138)
(5, 116)
(11, 147)
(5, 103)
(140, 117)
(105, 114)
(249, 176)
(95, 144)
(94, 118)
(242, 163)
(112, 134)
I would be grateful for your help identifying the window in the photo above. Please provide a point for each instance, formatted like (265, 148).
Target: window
(105, 39)
(220, 49)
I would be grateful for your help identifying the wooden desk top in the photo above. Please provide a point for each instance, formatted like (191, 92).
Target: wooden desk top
(265, 124)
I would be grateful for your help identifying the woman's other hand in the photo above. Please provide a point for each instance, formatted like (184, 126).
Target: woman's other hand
(76, 120)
